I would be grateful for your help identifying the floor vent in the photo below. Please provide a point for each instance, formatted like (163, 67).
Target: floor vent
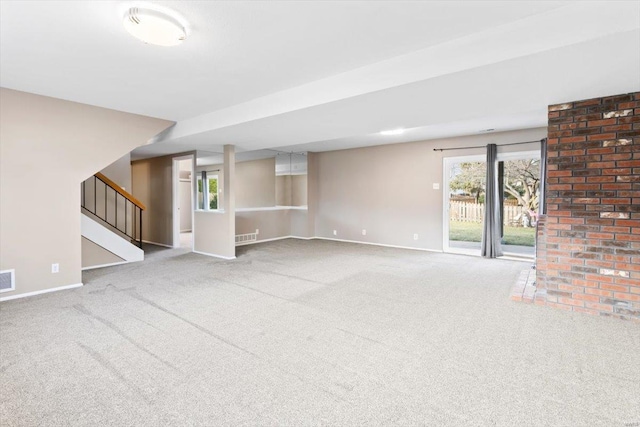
(7, 280)
(242, 239)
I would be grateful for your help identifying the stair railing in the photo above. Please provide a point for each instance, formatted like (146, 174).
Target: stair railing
(114, 206)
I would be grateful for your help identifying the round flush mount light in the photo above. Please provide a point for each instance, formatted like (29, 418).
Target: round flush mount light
(154, 27)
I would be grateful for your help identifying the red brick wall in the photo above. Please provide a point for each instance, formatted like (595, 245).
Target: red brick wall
(588, 256)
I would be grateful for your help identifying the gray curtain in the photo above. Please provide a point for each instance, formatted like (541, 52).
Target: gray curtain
(491, 247)
(542, 203)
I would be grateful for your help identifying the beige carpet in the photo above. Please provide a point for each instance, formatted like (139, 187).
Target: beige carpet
(299, 333)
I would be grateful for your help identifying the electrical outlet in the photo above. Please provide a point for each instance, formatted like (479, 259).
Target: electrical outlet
(364, 232)
(335, 232)
(257, 231)
(415, 237)
(55, 268)
(436, 186)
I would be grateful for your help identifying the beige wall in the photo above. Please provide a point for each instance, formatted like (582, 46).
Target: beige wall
(211, 234)
(298, 190)
(255, 184)
(291, 190)
(299, 223)
(152, 184)
(120, 172)
(271, 223)
(283, 190)
(388, 190)
(94, 255)
(66, 142)
(214, 231)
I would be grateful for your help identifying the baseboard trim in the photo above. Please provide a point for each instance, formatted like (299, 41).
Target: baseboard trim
(44, 291)
(273, 239)
(214, 256)
(377, 244)
(157, 244)
(91, 267)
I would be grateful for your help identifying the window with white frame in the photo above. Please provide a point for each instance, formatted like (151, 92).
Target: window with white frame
(207, 193)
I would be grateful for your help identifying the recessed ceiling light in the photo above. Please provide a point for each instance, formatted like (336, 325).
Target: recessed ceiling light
(154, 27)
(392, 132)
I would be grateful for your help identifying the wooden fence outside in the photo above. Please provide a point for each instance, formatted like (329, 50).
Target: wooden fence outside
(474, 212)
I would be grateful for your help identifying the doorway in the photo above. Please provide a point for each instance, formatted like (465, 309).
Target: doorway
(183, 202)
(464, 185)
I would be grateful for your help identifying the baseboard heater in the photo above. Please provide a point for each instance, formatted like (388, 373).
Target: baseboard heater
(242, 239)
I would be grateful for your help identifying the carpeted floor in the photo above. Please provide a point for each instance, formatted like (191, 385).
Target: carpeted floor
(297, 333)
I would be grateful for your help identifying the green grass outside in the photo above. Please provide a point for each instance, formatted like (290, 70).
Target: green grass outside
(472, 232)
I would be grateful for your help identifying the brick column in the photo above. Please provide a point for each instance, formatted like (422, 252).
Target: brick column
(588, 257)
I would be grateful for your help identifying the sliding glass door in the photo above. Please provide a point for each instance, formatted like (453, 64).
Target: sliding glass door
(464, 208)
(520, 179)
(464, 188)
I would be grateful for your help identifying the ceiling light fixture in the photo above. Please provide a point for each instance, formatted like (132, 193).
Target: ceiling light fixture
(392, 132)
(154, 27)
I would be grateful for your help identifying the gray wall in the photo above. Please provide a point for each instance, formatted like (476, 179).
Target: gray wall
(66, 142)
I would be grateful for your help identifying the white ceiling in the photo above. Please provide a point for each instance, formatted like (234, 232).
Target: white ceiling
(325, 75)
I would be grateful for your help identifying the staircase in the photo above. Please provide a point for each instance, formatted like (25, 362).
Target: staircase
(111, 224)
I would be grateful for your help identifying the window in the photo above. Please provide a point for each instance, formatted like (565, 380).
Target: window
(207, 200)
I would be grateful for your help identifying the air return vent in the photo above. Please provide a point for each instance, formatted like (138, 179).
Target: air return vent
(243, 239)
(7, 280)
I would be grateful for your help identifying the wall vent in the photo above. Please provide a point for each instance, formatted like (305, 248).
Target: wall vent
(243, 239)
(7, 280)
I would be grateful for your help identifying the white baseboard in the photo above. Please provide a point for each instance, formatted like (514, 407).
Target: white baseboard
(91, 267)
(44, 291)
(214, 256)
(157, 244)
(377, 244)
(273, 239)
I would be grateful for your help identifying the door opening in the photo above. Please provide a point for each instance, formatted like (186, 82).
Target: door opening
(183, 202)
